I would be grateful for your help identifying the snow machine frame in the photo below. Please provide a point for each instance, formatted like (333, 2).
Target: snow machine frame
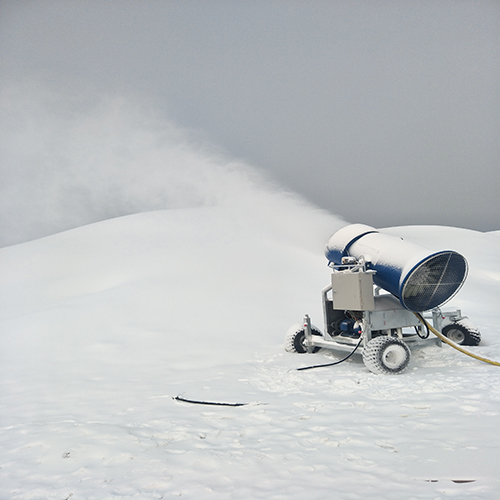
(357, 316)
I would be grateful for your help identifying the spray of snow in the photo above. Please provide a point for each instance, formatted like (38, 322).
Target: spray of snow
(70, 158)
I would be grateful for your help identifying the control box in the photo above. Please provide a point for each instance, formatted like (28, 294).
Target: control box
(353, 291)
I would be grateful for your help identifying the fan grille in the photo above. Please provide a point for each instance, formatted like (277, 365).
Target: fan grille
(434, 281)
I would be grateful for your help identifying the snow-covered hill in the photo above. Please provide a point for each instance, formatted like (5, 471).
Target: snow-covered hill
(101, 326)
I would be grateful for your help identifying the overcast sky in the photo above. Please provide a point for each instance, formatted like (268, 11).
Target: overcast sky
(384, 112)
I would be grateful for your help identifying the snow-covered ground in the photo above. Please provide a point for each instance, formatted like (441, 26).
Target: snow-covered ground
(103, 325)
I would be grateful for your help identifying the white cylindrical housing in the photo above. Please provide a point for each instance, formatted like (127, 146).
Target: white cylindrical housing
(421, 280)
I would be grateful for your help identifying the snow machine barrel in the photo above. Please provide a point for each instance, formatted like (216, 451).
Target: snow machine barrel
(421, 281)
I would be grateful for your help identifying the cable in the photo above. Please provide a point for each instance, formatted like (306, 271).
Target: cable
(427, 332)
(452, 344)
(211, 403)
(335, 362)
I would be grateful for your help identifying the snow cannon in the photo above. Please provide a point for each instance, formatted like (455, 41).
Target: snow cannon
(419, 279)
(381, 326)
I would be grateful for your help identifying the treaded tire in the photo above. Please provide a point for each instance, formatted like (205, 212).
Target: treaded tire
(295, 339)
(462, 334)
(386, 355)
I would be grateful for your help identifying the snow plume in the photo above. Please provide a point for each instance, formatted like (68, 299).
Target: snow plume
(73, 158)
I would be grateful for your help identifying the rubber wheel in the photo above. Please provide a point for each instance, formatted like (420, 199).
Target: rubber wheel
(295, 340)
(386, 355)
(461, 335)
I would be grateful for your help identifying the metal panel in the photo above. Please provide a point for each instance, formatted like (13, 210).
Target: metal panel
(352, 291)
(396, 318)
(389, 313)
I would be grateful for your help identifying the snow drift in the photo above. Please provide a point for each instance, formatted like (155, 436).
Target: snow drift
(101, 326)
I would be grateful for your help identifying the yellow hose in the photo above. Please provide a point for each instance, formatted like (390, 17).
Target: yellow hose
(452, 344)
